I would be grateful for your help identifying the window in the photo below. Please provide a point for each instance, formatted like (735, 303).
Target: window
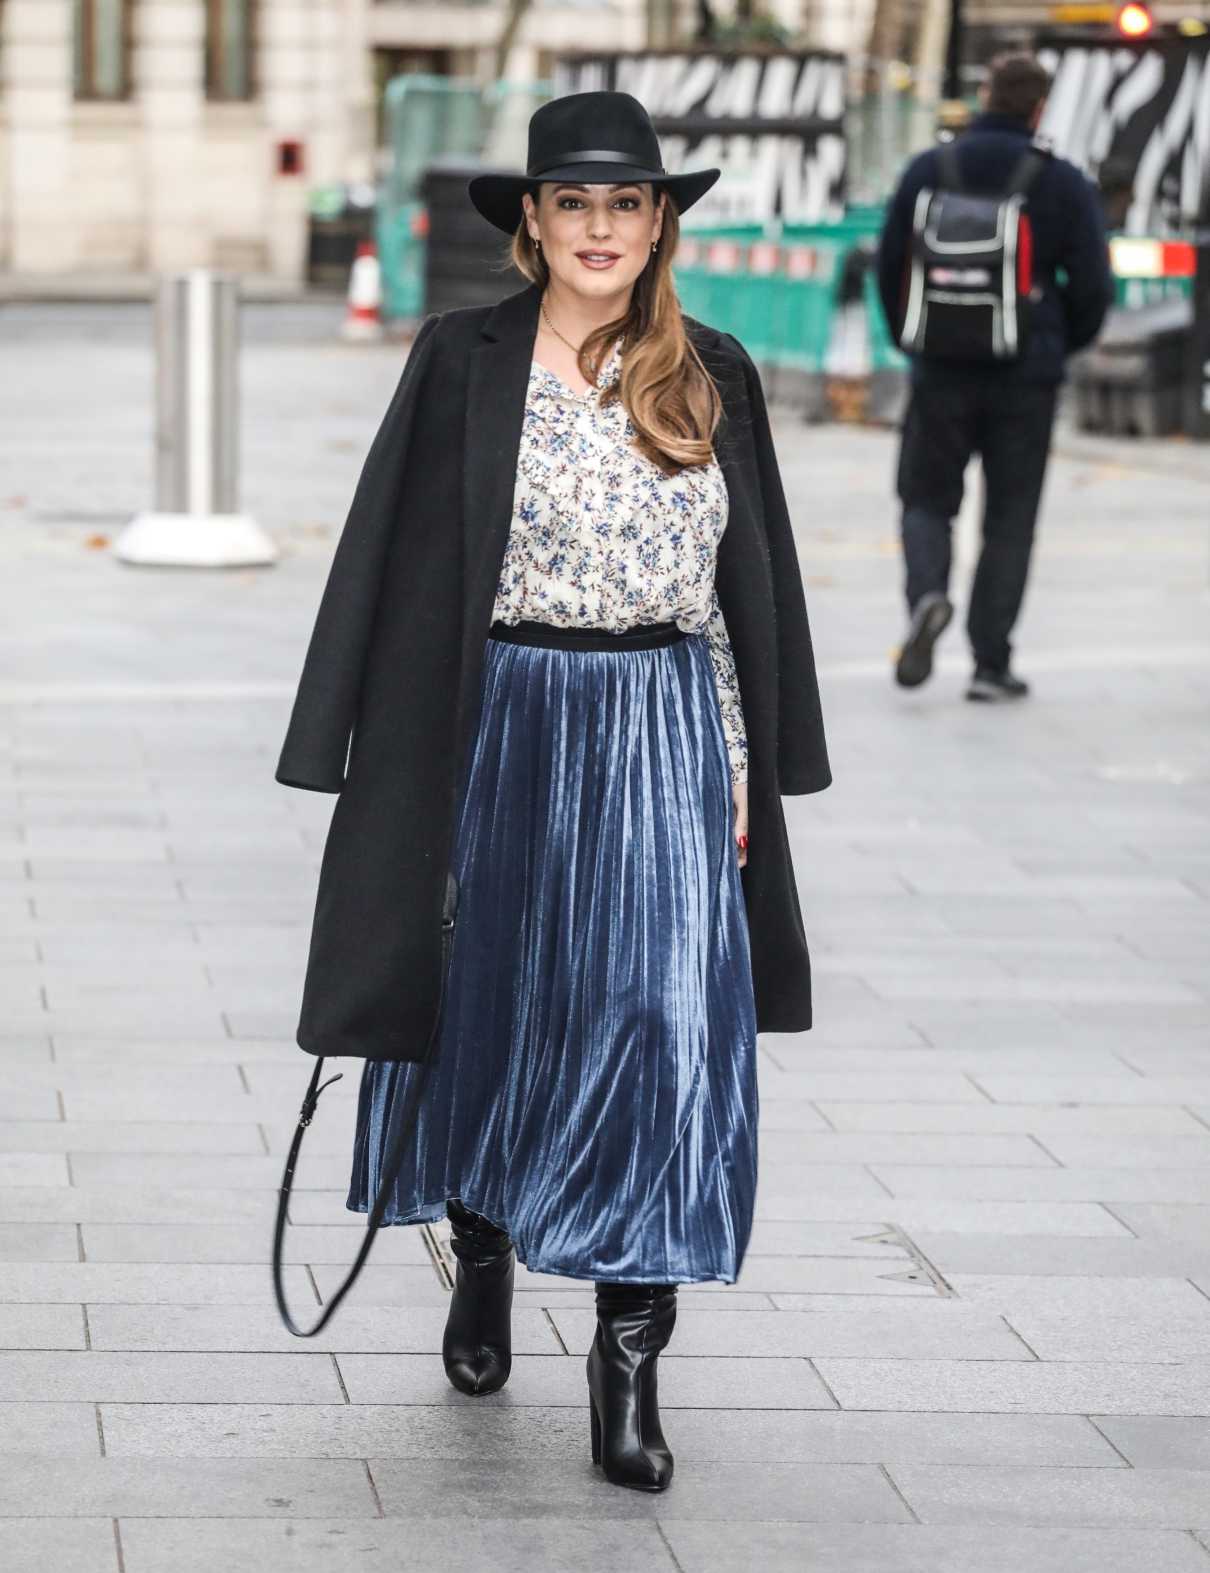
(230, 45)
(102, 48)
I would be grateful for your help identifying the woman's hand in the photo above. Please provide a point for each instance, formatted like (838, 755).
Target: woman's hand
(739, 795)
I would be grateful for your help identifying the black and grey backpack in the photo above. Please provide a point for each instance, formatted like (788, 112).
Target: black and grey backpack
(969, 284)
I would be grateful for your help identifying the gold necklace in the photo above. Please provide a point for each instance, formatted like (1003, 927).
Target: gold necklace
(573, 347)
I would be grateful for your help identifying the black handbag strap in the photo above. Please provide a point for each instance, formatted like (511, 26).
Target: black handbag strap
(402, 1130)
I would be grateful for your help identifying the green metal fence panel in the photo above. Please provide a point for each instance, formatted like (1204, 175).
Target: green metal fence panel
(429, 118)
(399, 233)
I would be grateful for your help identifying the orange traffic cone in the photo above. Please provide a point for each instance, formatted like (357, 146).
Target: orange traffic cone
(363, 316)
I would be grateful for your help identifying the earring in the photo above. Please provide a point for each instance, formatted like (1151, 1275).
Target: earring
(537, 243)
(655, 245)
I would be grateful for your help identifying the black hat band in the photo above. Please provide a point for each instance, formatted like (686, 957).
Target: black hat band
(592, 156)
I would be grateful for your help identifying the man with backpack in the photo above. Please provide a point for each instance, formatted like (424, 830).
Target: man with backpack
(967, 263)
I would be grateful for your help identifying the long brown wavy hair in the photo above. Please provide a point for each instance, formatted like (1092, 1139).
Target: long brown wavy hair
(666, 390)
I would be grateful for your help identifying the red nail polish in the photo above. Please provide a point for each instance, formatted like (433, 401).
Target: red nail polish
(743, 842)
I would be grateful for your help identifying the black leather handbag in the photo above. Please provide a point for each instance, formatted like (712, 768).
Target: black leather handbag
(391, 1163)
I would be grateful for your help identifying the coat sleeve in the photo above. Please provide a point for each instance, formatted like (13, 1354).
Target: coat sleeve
(316, 748)
(802, 755)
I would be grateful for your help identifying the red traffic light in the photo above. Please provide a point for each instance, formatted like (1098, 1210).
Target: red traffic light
(1134, 19)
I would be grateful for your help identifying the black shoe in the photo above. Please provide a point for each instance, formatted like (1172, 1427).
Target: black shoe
(991, 687)
(634, 1322)
(478, 1347)
(930, 618)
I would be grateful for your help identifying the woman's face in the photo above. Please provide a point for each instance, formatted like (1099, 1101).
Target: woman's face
(596, 239)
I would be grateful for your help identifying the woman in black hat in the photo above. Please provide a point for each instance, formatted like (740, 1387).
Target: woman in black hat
(591, 1107)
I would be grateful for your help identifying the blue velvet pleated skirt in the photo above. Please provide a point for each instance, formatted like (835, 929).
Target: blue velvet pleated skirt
(594, 1090)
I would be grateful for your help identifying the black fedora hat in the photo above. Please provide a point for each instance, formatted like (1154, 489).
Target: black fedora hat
(587, 139)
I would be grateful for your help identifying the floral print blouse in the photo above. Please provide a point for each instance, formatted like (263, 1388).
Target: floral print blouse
(602, 538)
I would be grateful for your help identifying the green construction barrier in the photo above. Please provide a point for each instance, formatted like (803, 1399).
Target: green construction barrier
(428, 118)
(399, 233)
(779, 298)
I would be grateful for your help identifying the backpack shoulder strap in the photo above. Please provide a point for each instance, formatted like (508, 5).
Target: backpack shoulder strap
(1027, 169)
(949, 167)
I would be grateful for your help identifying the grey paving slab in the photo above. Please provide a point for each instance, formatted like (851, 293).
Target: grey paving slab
(824, 1237)
(404, 1287)
(1063, 1318)
(558, 1380)
(77, 1052)
(1063, 1087)
(184, 1082)
(206, 1170)
(19, 1169)
(145, 1242)
(879, 1147)
(98, 1375)
(38, 1242)
(1029, 1119)
(394, 1546)
(83, 1545)
(24, 1051)
(146, 1136)
(1159, 1441)
(1158, 1220)
(133, 1204)
(887, 1079)
(248, 1328)
(830, 1275)
(53, 1430)
(825, 1179)
(918, 1548)
(1160, 1498)
(1045, 1255)
(1129, 1152)
(904, 1329)
(149, 1283)
(201, 1488)
(801, 1493)
(945, 1216)
(704, 1435)
(1055, 1388)
(33, 1326)
(1108, 1184)
(22, 1101)
(502, 1430)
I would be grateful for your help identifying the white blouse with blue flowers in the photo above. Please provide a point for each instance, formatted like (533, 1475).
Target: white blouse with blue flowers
(602, 538)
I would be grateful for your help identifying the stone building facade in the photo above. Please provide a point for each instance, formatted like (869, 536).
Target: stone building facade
(143, 135)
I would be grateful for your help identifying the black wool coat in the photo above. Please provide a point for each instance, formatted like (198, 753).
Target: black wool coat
(388, 702)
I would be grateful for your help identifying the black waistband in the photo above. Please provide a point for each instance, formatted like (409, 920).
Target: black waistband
(643, 636)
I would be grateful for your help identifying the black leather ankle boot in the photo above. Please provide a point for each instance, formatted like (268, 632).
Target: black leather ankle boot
(634, 1322)
(478, 1347)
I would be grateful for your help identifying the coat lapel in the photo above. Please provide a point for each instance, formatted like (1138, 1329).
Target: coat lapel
(498, 377)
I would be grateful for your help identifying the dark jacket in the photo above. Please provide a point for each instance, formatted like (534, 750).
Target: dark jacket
(1068, 230)
(396, 658)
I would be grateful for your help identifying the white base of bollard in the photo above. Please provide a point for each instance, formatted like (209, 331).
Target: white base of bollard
(195, 540)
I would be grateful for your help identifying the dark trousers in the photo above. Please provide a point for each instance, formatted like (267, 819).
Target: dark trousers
(1008, 423)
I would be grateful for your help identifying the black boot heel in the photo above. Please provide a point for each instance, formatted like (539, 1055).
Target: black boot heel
(634, 1323)
(477, 1346)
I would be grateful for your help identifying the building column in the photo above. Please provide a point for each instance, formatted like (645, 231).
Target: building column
(293, 34)
(169, 88)
(38, 99)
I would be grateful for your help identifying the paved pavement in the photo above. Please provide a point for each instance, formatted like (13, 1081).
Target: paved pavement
(973, 1333)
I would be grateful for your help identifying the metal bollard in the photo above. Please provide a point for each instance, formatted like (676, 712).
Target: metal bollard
(195, 522)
